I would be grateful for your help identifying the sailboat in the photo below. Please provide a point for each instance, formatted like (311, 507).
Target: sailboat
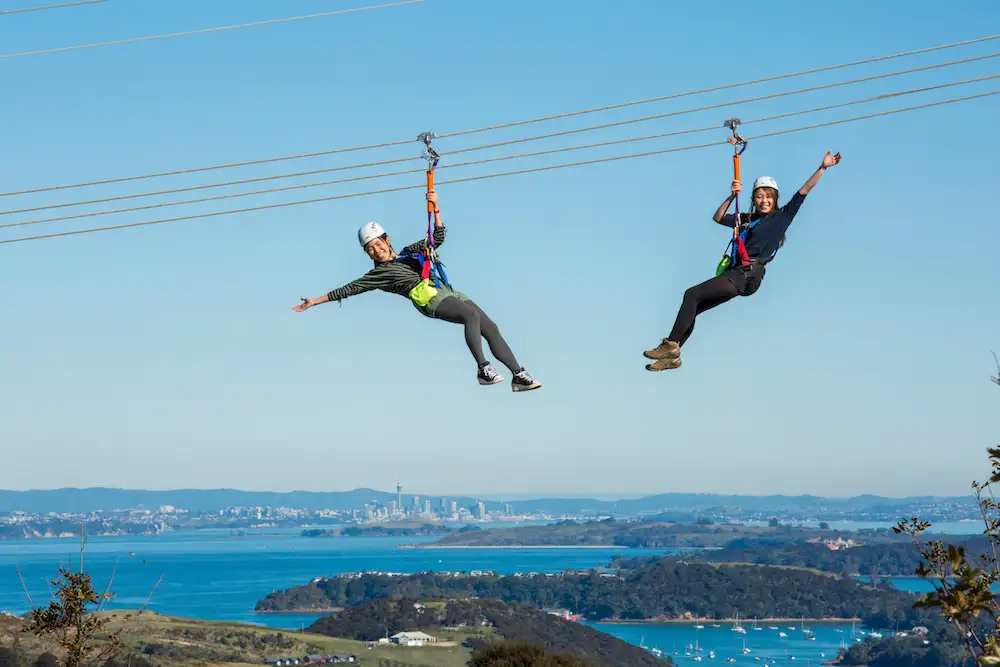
(755, 626)
(739, 628)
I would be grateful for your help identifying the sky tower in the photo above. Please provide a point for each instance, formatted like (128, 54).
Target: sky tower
(399, 495)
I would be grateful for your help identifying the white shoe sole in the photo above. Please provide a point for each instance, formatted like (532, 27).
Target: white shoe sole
(497, 380)
(521, 387)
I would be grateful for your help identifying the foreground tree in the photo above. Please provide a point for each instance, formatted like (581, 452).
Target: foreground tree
(964, 586)
(71, 620)
(519, 654)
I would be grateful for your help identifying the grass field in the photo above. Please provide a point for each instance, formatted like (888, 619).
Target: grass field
(179, 641)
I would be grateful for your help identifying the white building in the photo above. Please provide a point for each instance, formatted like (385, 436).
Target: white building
(413, 638)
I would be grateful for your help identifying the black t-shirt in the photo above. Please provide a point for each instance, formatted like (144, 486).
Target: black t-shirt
(762, 239)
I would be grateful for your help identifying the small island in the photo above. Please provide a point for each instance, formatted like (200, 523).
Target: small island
(649, 533)
(387, 529)
(662, 591)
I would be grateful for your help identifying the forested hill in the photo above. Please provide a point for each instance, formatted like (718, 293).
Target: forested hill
(896, 559)
(372, 620)
(663, 590)
(635, 534)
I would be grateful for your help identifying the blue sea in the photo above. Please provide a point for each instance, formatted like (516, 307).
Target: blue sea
(219, 575)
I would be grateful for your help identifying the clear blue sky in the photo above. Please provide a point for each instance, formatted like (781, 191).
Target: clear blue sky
(169, 356)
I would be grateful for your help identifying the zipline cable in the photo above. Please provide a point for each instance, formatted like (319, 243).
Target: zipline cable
(493, 145)
(487, 160)
(759, 98)
(44, 7)
(724, 87)
(205, 30)
(465, 132)
(263, 207)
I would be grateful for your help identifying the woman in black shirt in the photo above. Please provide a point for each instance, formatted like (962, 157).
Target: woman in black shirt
(765, 226)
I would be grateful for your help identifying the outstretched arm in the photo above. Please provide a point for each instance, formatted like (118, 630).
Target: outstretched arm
(720, 213)
(371, 280)
(828, 161)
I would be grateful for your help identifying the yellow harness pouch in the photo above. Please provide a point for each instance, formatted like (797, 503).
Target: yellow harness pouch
(423, 293)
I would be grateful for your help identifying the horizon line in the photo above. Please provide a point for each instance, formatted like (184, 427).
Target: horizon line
(495, 497)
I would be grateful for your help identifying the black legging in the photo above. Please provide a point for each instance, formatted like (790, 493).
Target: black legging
(711, 293)
(477, 326)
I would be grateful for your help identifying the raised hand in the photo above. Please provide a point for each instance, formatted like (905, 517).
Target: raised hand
(830, 160)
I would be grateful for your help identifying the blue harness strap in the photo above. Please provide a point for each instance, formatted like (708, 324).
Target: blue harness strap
(437, 268)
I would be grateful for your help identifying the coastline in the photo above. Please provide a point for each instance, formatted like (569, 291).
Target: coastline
(634, 621)
(331, 610)
(515, 546)
(728, 621)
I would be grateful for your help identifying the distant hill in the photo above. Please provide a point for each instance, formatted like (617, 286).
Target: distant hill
(736, 504)
(375, 619)
(642, 534)
(884, 559)
(674, 506)
(661, 590)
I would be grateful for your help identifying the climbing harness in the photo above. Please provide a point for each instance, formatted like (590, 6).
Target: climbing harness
(429, 259)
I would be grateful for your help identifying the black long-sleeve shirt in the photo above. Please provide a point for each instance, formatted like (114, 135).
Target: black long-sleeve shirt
(765, 237)
(398, 277)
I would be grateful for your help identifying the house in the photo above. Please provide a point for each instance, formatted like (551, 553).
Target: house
(834, 544)
(413, 638)
(280, 662)
(314, 659)
(342, 658)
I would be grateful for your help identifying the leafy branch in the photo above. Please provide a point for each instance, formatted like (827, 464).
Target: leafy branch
(964, 588)
(70, 619)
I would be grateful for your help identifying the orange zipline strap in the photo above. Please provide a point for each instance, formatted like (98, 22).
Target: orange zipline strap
(432, 263)
(739, 145)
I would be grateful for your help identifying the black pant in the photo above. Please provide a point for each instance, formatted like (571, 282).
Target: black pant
(711, 293)
(477, 326)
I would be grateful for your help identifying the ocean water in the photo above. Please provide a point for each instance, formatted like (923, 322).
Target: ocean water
(217, 575)
(765, 645)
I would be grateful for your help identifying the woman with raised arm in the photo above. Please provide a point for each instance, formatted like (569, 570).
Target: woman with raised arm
(765, 226)
(401, 273)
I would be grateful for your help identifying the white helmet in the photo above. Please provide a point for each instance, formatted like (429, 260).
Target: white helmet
(369, 232)
(765, 182)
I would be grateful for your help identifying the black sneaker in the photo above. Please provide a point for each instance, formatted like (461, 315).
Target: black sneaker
(488, 375)
(524, 382)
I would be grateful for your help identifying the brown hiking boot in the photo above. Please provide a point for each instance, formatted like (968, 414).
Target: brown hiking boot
(664, 364)
(666, 348)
